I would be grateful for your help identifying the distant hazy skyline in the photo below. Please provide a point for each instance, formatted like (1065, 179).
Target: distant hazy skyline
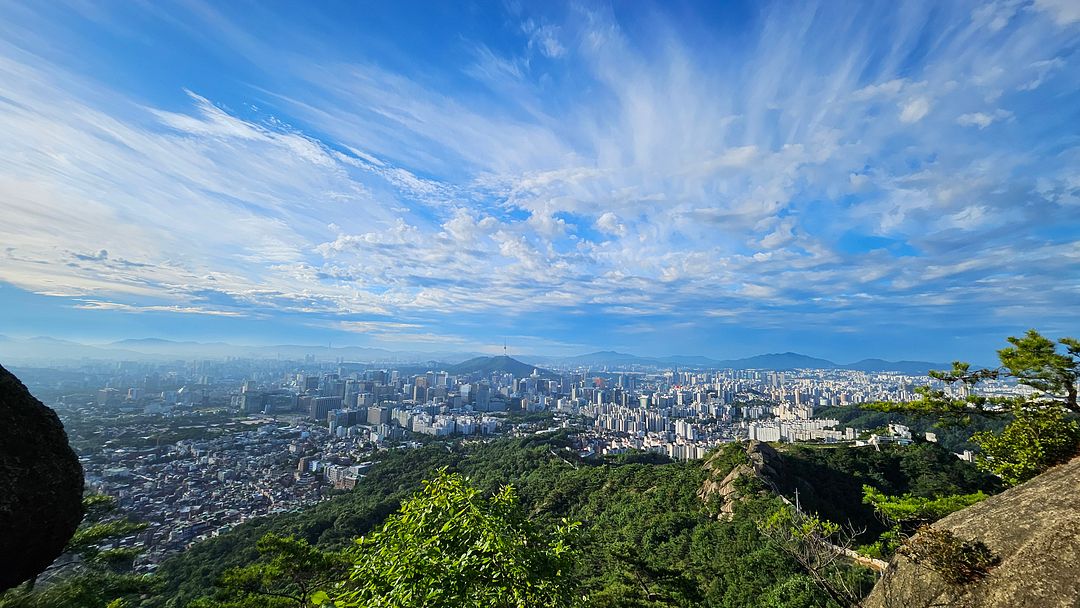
(841, 179)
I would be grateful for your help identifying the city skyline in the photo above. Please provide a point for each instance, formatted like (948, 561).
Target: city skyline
(894, 181)
(256, 438)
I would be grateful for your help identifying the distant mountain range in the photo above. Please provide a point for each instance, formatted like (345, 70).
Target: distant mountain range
(774, 361)
(157, 349)
(51, 349)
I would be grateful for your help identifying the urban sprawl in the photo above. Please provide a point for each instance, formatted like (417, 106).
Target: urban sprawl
(193, 449)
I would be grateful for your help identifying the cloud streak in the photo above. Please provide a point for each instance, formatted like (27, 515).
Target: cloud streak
(885, 168)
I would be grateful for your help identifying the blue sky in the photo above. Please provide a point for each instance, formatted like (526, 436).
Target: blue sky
(842, 179)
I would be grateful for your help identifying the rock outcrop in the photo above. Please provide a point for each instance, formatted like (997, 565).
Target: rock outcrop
(1033, 528)
(760, 467)
(41, 484)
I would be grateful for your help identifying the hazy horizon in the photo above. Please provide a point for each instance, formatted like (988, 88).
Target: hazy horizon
(149, 348)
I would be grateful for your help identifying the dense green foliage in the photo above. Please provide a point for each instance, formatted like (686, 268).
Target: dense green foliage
(451, 546)
(646, 538)
(907, 513)
(916, 509)
(830, 481)
(818, 545)
(288, 574)
(1042, 430)
(1036, 361)
(91, 573)
(1037, 439)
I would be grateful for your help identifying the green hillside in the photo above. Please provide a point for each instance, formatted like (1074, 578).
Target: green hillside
(500, 364)
(648, 539)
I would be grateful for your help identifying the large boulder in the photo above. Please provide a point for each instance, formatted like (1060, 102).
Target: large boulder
(41, 484)
(1033, 528)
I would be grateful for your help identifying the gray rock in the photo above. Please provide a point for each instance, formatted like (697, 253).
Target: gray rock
(763, 465)
(1034, 528)
(41, 484)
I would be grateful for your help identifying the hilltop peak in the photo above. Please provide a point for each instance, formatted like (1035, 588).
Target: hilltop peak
(497, 363)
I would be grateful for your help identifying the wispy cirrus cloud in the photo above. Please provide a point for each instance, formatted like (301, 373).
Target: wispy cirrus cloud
(876, 167)
(194, 310)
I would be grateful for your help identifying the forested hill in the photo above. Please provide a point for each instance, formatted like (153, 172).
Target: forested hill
(501, 364)
(649, 540)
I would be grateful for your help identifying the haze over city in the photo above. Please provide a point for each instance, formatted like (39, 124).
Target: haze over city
(844, 180)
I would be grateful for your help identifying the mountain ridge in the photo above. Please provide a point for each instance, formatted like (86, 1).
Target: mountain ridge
(43, 347)
(774, 361)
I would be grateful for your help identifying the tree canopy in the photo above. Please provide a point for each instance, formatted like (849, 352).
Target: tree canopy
(288, 573)
(449, 545)
(646, 538)
(92, 571)
(1042, 431)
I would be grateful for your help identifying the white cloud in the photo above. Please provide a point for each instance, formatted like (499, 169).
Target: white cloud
(1064, 12)
(545, 38)
(758, 291)
(995, 15)
(1043, 70)
(982, 119)
(196, 310)
(436, 193)
(884, 89)
(914, 110)
(609, 222)
(546, 224)
(782, 235)
(968, 218)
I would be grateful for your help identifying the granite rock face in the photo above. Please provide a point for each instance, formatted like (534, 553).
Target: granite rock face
(41, 484)
(763, 465)
(1034, 528)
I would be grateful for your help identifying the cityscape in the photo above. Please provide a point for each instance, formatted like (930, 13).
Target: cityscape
(196, 448)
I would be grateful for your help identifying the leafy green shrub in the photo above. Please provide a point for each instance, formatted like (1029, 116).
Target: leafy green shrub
(288, 572)
(726, 457)
(1037, 439)
(450, 546)
(1043, 431)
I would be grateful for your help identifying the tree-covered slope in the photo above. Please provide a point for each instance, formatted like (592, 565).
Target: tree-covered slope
(647, 539)
(830, 480)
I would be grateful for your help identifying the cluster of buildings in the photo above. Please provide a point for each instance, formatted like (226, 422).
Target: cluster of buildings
(295, 436)
(353, 387)
(686, 414)
(196, 488)
(793, 431)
